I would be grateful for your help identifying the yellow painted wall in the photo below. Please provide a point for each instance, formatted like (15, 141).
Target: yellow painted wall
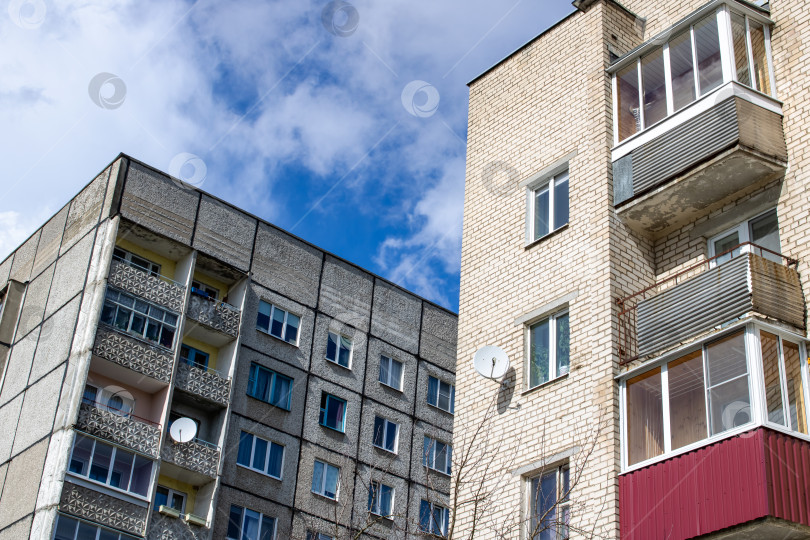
(167, 266)
(212, 282)
(212, 351)
(177, 485)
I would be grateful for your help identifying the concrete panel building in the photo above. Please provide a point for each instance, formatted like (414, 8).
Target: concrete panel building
(635, 240)
(174, 367)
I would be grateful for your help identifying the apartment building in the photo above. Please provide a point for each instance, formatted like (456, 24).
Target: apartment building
(176, 368)
(636, 242)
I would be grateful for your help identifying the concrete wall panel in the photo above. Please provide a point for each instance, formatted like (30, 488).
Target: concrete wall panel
(70, 274)
(19, 530)
(316, 504)
(5, 270)
(231, 496)
(224, 233)
(49, 241)
(439, 334)
(429, 413)
(346, 293)
(24, 258)
(9, 415)
(345, 443)
(23, 476)
(396, 316)
(419, 473)
(36, 298)
(320, 366)
(85, 210)
(19, 366)
(377, 458)
(400, 400)
(55, 339)
(38, 411)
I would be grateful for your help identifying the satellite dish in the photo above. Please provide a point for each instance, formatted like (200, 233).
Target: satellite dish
(183, 430)
(491, 362)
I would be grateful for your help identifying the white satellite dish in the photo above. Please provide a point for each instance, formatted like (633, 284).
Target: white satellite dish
(491, 362)
(183, 430)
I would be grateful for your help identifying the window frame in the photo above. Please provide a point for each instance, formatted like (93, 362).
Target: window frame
(432, 507)
(125, 256)
(374, 500)
(241, 526)
(102, 398)
(323, 415)
(386, 424)
(79, 521)
(561, 473)
(325, 467)
(270, 445)
(252, 388)
(553, 374)
(110, 467)
(203, 290)
(390, 361)
(284, 324)
(191, 359)
(170, 492)
(339, 338)
(429, 452)
(743, 230)
(117, 305)
(549, 182)
(451, 396)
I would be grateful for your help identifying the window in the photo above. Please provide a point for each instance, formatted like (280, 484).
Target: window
(68, 528)
(318, 536)
(437, 455)
(110, 465)
(139, 318)
(441, 394)
(333, 412)
(386, 434)
(649, 88)
(136, 262)
(203, 290)
(380, 499)
(549, 505)
(433, 519)
(270, 387)
(339, 350)
(246, 524)
(391, 372)
(168, 497)
(260, 455)
(115, 399)
(762, 230)
(278, 323)
(549, 346)
(549, 206)
(325, 479)
(193, 357)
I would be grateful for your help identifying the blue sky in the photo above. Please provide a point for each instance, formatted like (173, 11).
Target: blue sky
(342, 122)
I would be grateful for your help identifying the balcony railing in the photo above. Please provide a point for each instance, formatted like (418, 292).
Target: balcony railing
(197, 455)
(706, 295)
(127, 430)
(175, 528)
(205, 383)
(103, 509)
(139, 281)
(135, 354)
(219, 316)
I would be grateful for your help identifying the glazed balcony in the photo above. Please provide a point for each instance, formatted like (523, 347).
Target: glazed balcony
(696, 126)
(756, 482)
(128, 430)
(219, 316)
(103, 509)
(198, 456)
(135, 354)
(204, 383)
(707, 295)
(150, 286)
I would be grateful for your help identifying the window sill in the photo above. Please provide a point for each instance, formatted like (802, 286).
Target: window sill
(387, 451)
(445, 411)
(544, 237)
(108, 489)
(386, 517)
(341, 366)
(342, 432)
(391, 387)
(325, 497)
(265, 332)
(437, 471)
(257, 471)
(137, 337)
(543, 385)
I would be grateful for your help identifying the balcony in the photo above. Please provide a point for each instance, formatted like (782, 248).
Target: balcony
(175, 528)
(207, 384)
(197, 456)
(756, 482)
(129, 431)
(152, 287)
(103, 509)
(135, 354)
(218, 316)
(708, 295)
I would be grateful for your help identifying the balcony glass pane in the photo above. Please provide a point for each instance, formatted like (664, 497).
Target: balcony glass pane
(141, 475)
(122, 469)
(82, 450)
(100, 468)
(653, 82)
(729, 399)
(725, 244)
(687, 400)
(627, 102)
(65, 528)
(682, 67)
(764, 232)
(773, 382)
(645, 417)
(793, 375)
(86, 531)
(740, 49)
(707, 43)
(761, 71)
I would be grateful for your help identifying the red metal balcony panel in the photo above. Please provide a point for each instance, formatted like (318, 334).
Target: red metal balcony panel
(717, 486)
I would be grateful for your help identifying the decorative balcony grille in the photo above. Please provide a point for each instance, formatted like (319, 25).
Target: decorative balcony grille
(207, 384)
(168, 528)
(158, 289)
(134, 354)
(704, 296)
(197, 455)
(220, 316)
(129, 431)
(104, 509)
